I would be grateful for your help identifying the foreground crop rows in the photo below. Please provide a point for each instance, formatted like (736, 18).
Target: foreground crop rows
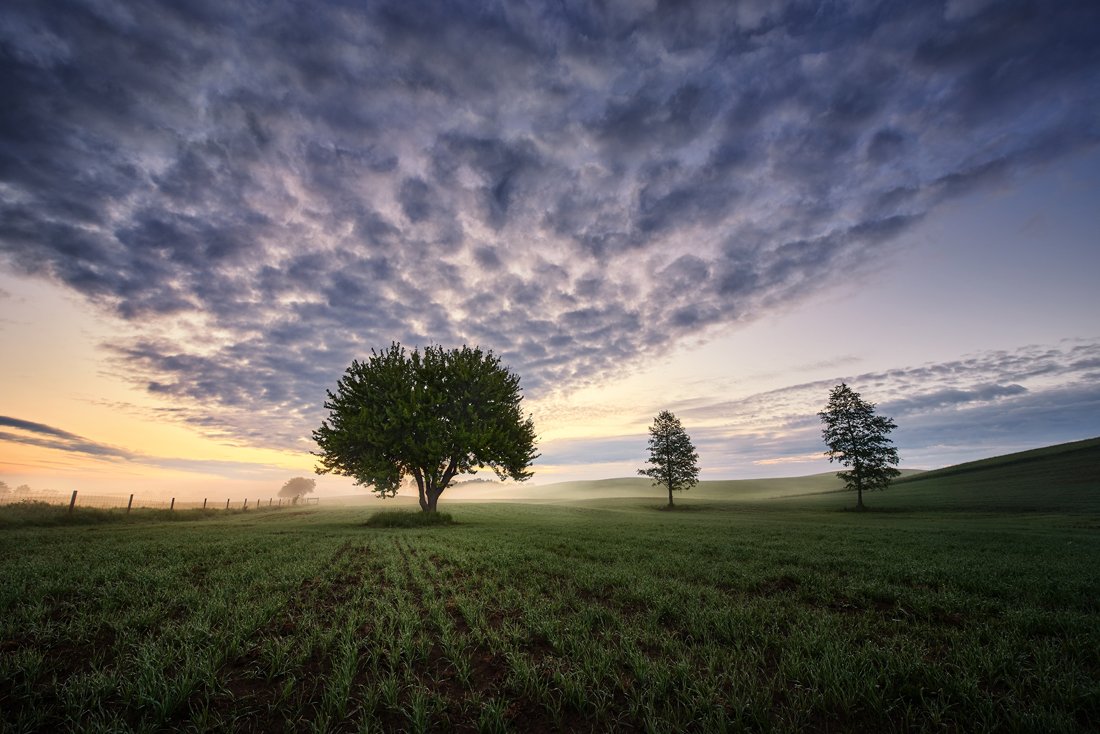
(615, 617)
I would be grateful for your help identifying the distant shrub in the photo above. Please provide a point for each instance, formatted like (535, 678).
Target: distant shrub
(402, 519)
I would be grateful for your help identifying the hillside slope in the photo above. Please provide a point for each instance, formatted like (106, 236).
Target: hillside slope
(1055, 479)
(1061, 478)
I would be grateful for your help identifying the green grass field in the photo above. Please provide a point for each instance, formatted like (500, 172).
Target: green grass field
(969, 602)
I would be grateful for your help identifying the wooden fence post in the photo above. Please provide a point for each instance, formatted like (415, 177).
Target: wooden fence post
(129, 504)
(72, 502)
(172, 506)
(227, 504)
(204, 503)
(246, 504)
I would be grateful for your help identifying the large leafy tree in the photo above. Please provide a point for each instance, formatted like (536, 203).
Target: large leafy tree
(672, 456)
(431, 416)
(859, 439)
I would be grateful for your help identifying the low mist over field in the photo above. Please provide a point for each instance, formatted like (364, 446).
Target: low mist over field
(633, 488)
(209, 209)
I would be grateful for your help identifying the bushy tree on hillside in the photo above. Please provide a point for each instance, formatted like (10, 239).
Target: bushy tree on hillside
(859, 439)
(297, 487)
(671, 455)
(431, 415)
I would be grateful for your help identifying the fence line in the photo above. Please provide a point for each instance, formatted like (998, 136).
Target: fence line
(78, 499)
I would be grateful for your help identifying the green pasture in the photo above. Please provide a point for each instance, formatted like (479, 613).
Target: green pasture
(965, 601)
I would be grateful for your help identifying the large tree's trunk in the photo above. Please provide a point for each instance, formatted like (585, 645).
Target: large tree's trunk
(431, 484)
(433, 490)
(670, 494)
(433, 501)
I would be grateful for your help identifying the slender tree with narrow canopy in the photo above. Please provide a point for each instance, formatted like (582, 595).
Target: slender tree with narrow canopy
(671, 455)
(859, 439)
(296, 487)
(431, 416)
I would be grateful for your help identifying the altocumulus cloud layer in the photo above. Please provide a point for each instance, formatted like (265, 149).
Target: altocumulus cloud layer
(265, 191)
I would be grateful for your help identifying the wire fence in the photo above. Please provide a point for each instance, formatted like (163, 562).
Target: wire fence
(128, 502)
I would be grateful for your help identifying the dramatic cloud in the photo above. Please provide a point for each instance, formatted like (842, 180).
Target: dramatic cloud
(266, 191)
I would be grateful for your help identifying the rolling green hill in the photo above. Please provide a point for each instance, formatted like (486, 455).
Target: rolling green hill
(1062, 478)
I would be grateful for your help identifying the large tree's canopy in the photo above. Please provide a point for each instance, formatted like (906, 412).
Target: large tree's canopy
(859, 439)
(671, 455)
(430, 415)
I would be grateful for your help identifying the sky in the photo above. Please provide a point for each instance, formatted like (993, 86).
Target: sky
(208, 209)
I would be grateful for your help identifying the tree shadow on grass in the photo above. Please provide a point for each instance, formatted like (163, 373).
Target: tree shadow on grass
(678, 508)
(872, 510)
(407, 519)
